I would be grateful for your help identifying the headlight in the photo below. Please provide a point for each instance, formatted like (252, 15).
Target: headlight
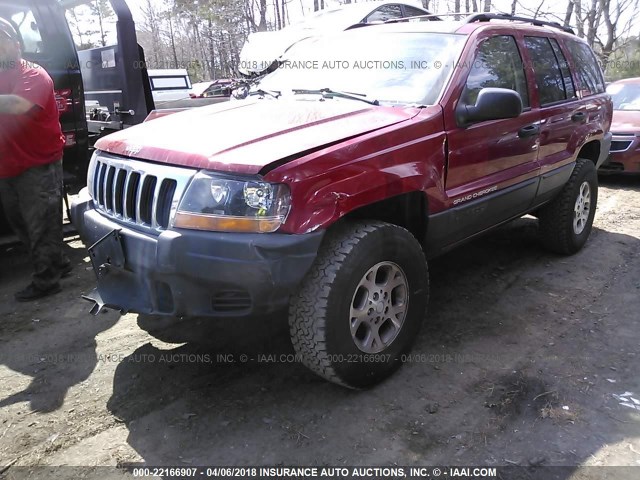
(224, 203)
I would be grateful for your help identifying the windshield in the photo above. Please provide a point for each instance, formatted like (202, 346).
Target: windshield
(625, 96)
(393, 67)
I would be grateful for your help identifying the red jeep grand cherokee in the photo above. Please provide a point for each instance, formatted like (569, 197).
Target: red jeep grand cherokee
(625, 128)
(325, 191)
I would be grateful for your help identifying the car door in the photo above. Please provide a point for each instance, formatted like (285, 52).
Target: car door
(560, 109)
(492, 165)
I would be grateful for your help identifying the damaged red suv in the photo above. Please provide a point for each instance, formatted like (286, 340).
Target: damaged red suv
(625, 128)
(328, 188)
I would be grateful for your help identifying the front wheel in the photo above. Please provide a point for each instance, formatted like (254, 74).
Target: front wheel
(565, 222)
(360, 307)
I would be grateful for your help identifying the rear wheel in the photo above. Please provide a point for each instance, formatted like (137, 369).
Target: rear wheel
(361, 305)
(565, 223)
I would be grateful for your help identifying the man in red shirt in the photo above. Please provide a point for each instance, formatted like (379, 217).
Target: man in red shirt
(31, 144)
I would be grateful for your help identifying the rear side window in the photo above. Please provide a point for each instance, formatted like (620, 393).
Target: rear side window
(497, 64)
(569, 87)
(589, 75)
(169, 83)
(546, 69)
(384, 13)
(413, 12)
(26, 24)
(29, 31)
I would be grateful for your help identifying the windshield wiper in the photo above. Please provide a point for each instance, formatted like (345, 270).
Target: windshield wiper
(328, 93)
(260, 91)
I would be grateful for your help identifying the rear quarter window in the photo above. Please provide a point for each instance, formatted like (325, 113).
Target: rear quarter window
(587, 70)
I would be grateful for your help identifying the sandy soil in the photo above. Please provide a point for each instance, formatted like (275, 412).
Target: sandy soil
(526, 358)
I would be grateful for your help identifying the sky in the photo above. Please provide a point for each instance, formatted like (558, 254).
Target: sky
(296, 6)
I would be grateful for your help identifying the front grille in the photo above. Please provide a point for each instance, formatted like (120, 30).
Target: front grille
(135, 192)
(620, 146)
(621, 142)
(231, 301)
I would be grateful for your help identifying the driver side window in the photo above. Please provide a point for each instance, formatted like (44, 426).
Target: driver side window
(28, 29)
(497, 64)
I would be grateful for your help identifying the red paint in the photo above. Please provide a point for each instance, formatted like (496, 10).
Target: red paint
(627, 122)
(362, 154)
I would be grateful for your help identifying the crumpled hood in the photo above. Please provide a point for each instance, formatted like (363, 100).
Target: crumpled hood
(625, 121)
(263, 48)
(245, 136)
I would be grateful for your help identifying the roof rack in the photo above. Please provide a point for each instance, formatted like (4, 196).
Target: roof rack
(485, 17)
(431, 16)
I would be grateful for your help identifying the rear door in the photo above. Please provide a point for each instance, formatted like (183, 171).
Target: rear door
(561, 112)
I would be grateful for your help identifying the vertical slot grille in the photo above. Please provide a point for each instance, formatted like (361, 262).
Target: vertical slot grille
(96, 180)
(132, 195)
(137, 192)
(165, 199)
(146, 199)
(101, 174)
(119, 192)
(108, 192)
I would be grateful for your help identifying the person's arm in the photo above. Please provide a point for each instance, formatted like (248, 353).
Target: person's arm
(15, 105)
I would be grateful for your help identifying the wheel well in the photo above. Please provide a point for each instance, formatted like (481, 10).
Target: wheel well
(590, 151)
(408, 210)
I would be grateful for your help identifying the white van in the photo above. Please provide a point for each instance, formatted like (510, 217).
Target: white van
(169, 85)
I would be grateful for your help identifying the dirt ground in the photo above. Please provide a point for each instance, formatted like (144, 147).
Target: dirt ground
(526, 358)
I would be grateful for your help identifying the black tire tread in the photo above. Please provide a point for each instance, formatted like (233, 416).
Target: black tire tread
(554, 216)
(307, 314)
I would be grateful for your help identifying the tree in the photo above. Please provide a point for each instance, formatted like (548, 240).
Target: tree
(151, 25)
(604, 24)
(78, 23)
(101, 9)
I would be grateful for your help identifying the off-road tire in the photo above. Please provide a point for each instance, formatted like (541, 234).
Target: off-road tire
(319, 313)
(557, 217)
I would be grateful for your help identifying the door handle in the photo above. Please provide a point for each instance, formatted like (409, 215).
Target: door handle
(579, 117)
(529, 131)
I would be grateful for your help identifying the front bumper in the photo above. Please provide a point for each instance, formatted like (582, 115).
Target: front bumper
(192, 273)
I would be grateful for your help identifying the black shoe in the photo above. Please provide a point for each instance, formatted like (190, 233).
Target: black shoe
(31, 292)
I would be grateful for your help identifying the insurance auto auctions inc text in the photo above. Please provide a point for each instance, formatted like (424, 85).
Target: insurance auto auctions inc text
(378, 472)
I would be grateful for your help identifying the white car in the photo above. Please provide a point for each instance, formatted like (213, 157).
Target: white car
(262, 49)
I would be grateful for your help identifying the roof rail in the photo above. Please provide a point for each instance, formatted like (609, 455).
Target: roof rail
(430, 16)
(485, 17)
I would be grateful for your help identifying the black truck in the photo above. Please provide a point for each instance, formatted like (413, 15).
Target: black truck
(81, 76)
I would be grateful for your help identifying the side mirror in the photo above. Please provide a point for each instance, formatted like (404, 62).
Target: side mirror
(491, 104)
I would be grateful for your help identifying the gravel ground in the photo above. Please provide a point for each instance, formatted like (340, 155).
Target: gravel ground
(526, 358)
